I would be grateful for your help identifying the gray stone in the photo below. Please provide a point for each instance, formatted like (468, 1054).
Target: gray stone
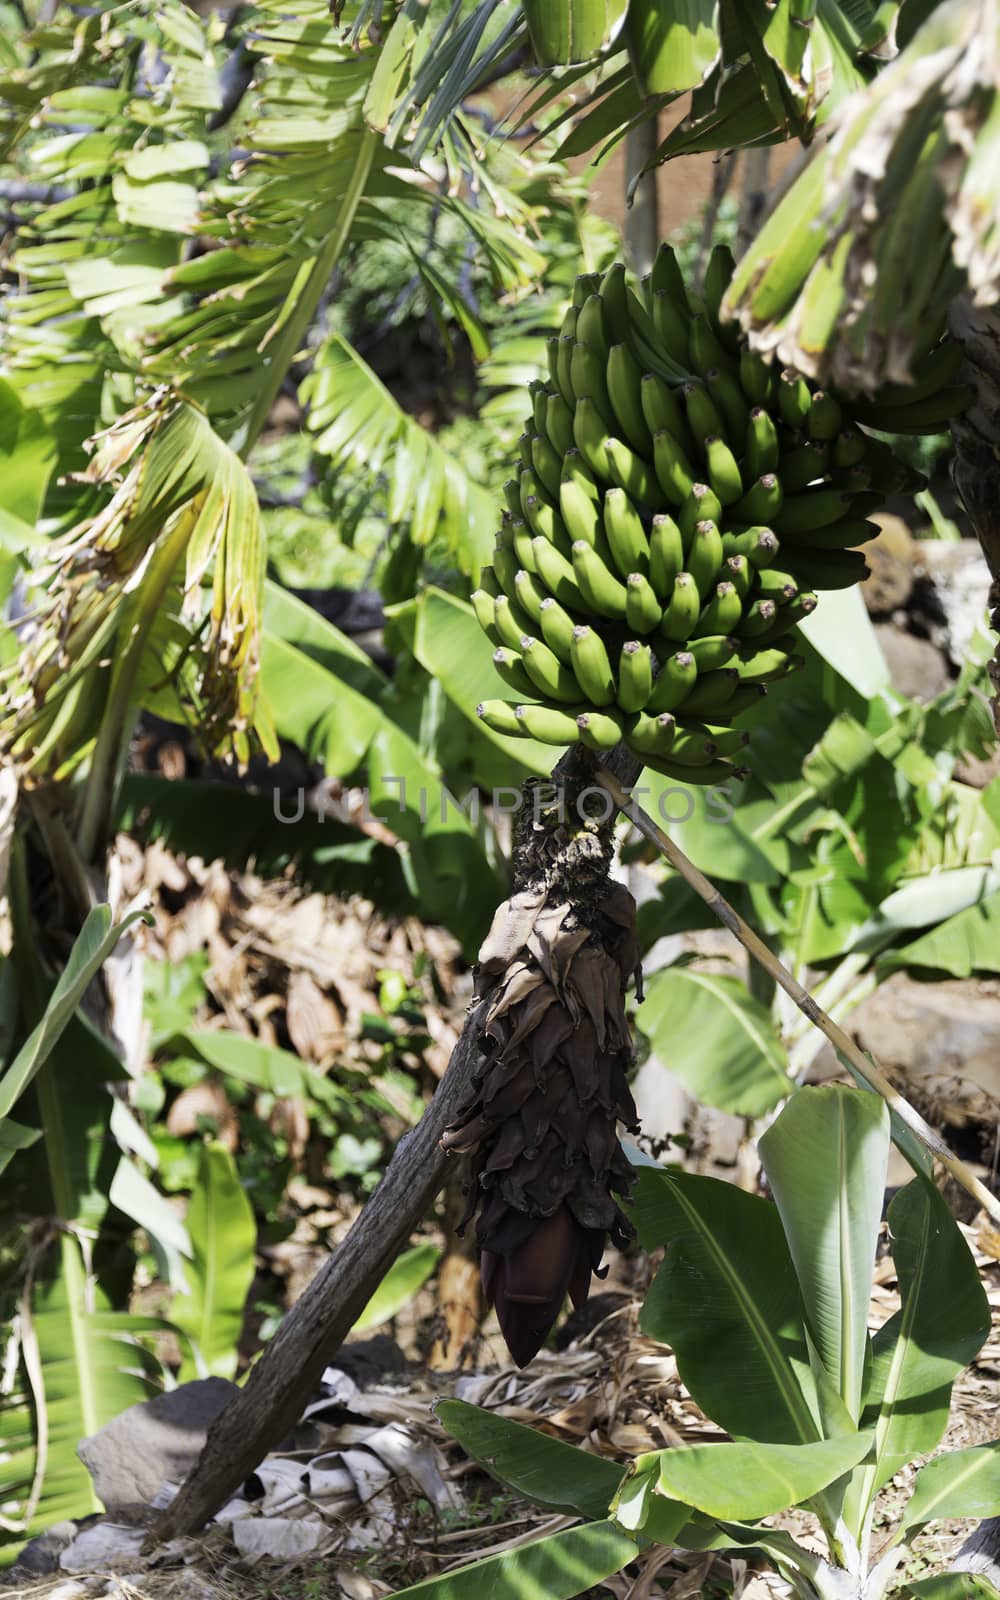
(941, 1040)
(41, 1556)
(105, 1547)
(152, 1444)
(916, 667)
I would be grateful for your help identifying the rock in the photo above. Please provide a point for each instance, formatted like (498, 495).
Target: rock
(152, 1444)
(961, 582)
(916, 667)
(890, 557)
(41, 1555)
(104, 1547)
(942, 1039)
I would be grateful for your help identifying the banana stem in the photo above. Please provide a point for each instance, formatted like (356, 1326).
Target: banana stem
(845, 1046)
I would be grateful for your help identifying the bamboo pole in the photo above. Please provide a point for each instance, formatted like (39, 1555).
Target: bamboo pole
(842, 1043)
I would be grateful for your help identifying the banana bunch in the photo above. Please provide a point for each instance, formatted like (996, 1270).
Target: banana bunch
(676, 503)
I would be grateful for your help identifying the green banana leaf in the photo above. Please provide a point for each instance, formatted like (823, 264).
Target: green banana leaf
(558, 1475)
(223, 1234)
(825, 1157)
(713, 1035)
(554, 1568)
(408, 1273)
(954, 1586)
(943, 1320)
(961, 1483)
(674, 44)
(749, 1480)
(726, 1298)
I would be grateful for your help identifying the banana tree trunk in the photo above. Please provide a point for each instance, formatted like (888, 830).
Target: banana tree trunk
(562, 862)
(977, 449)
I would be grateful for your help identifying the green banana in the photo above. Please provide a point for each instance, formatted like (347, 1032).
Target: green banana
(591, 434)
(676, 680)
(674, 471)
(703, 415)
(710, 694)
(756, 378)
(701, 505)
(758, 620)
(796, 610)
(511, 669)
(843, 535)
(835, 569)
(580, 514)
(667, 278)
(557, 629)
(599, 730)
(768, 665)
(505, 562)
(663, 412)
(547, 724)
(539, 397)
(499, 715)
(718, 272)
(666, 554)
(547, 464)
(692, 747)
(624, 390)
(729, 400)
(825, 418)
(681, 615)
(564, 368)
(522, 547)
(546, 523)
(557, 574)
(601, 592)
(559, 424)
(849, 448)
(551, 676)
(642, 609)
(635, 675)
(650, 734)
(625, 533)
(706, 351)
(803, 466)
(575, 470)
(512, 495)
(631, 473)
(713, 651)
(488, 581)
(778, 585)
(530, 595)
(763, 449)
(552, 353)
(794, 399)
(591, 667)
(705, 556)
(590, 328)
(722, 613)
(730, 741)
(759, 545)
(482, 605)
(745, 698)
(512, 624)
(738, 571)
(587, 368)
(762, 501)
(920, 416)
(614, 294)
(671, 326)
(584, 285)
(723, 471)
(524, 445)
(811, 509)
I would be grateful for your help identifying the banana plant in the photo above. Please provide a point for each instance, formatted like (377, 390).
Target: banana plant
(765, 1306)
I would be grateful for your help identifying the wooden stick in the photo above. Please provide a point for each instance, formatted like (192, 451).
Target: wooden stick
(842, 1043)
